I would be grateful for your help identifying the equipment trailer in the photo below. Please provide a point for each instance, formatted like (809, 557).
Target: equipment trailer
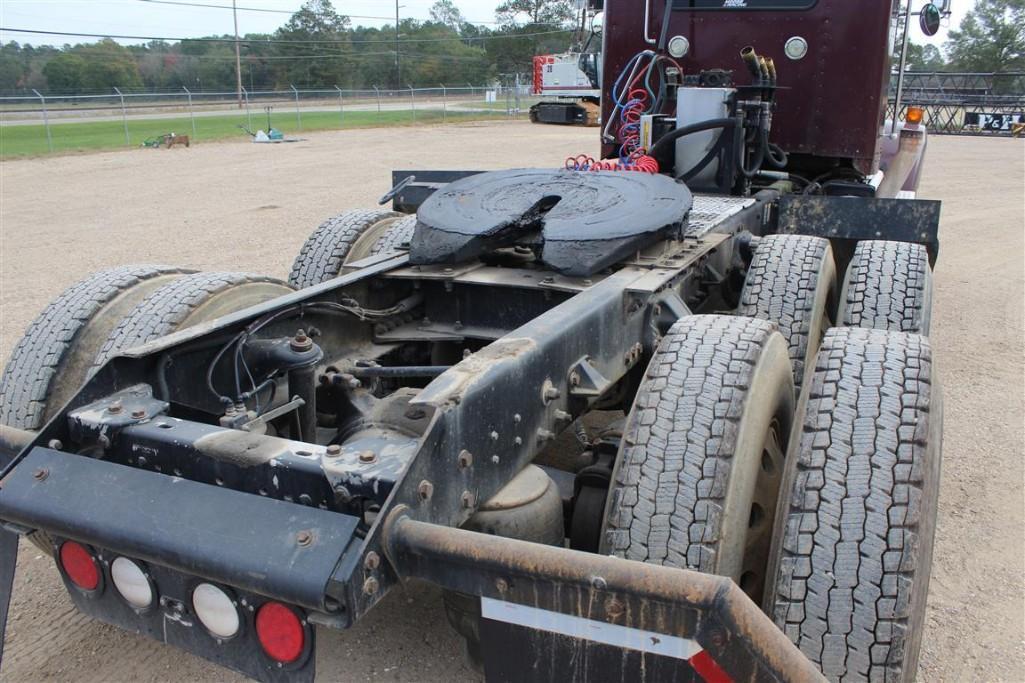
(224, 462)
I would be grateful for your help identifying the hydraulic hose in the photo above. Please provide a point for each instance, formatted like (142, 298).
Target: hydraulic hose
(777, 157)
(664, 142)
(750, 171)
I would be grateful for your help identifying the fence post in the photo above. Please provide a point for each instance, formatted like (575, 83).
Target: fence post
(249, 115)
(192, 114)
(444, 103)
(124, 117)
(298, 116)
(46, 120)
(412, 99)
(378, 91)
(341, 108)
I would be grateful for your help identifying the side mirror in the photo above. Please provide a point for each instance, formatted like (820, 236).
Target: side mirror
(929, 19)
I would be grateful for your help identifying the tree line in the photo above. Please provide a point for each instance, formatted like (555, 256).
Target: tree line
(319, 48)
(316, 48)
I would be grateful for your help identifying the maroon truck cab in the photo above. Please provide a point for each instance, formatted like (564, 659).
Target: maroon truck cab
(831, 102)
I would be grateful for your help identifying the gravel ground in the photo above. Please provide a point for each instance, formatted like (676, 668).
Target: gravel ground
(241, 206)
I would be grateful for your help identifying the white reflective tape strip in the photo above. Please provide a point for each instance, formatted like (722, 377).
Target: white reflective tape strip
(588, 629)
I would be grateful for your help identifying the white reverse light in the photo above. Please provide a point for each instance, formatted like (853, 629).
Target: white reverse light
(215, 610)
(131, 582)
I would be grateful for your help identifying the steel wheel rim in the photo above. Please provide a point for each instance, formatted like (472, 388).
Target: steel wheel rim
(763, 511)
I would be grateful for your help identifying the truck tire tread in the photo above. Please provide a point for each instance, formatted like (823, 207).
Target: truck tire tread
(888, 286)
(854, 531)
(783, 286)
(323, 253)
(167, 309)
(669, 488)
(39, 357)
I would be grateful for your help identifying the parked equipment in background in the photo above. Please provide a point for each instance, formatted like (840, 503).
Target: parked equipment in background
(738, 290)
(569, 85)
(167, 139)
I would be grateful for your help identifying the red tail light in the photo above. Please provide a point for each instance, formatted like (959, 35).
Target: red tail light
(280, 632)
(80, 565)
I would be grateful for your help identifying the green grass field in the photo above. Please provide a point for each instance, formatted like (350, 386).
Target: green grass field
(30, 140)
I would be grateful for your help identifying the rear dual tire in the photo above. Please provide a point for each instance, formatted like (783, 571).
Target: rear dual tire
(696, 479)
(347, 238)
(888, 286)
(792, 282)
(853, 539)
(103, 315)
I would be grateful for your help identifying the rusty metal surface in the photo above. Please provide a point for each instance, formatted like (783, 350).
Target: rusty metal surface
(582, 222)
(709, 609)
(832, 101)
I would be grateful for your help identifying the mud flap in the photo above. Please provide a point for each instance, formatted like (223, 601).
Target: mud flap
(254, 548)
(554, 614)
(561, 647)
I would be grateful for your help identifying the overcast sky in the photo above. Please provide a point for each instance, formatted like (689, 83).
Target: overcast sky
(137, 17)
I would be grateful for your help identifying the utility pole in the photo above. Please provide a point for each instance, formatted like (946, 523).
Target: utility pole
(398, 69)
(238, 56)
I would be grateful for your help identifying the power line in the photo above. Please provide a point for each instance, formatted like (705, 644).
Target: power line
(358, 56)
(285, 11)
(275, 41)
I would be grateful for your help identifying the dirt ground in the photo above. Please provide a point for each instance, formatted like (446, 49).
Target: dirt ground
(233, 206)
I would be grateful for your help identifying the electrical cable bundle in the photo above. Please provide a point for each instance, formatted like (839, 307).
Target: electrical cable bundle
(635, 96)
(641, 163)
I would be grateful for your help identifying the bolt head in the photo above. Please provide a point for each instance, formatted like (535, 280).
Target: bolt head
(41, 474)
(465, 459)
(55, 444)
(333, 451)
(501, 585)
(425, 490)
(367, 456)
(468, 499)
(372, 561)
(304, 538)
(139, 414)
(370, 586)
(115, 407)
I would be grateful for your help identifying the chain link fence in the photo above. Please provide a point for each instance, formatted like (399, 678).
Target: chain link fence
(53, 122)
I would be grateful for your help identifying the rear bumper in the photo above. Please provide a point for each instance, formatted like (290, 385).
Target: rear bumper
(249, 542)
(571, 606)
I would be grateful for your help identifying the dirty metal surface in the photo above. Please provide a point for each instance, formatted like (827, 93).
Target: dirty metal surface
(585, 222)
(213, 536)
(710, 612)
(863, 218)
(710, 211)
(502, 430)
